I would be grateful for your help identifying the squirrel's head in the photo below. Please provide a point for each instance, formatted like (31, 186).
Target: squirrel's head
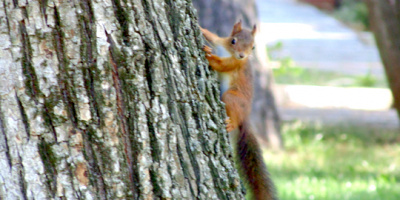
(241, 41)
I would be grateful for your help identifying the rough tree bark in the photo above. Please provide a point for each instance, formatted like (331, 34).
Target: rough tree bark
(385, 23)
(109, 100)
(219, 16)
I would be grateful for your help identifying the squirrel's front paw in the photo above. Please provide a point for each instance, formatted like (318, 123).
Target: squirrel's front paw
(202, 30)
(207, 49)
(229, 125)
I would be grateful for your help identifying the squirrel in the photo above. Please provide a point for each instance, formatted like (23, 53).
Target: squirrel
(238, 101)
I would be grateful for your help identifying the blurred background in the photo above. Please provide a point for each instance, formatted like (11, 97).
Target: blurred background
(327, 81)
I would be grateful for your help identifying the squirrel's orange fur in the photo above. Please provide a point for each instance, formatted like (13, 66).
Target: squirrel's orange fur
(238, 97)
(238, 100)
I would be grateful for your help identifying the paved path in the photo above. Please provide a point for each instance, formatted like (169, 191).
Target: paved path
(316, 40)
(372, 119)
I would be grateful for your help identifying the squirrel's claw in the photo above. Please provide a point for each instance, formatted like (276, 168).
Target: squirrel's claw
(229, 125)
(207, 49)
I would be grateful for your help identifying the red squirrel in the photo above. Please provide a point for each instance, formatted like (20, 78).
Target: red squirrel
(238, 100)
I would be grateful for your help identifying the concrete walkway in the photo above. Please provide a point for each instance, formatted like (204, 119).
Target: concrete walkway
(314, 39)
(381, 120)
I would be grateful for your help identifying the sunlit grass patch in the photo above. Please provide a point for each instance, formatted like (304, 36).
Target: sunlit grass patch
(289, 73)
(336, 163)
(286, 71)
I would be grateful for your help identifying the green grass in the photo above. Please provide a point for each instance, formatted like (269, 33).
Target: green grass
(289, 73)
(337, 163)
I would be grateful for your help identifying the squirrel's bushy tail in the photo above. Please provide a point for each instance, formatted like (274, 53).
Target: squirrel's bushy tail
(252, 164)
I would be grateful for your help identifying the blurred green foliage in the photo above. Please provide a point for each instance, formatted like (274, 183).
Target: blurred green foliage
(341, 162)
(366, 81)
(353, 13)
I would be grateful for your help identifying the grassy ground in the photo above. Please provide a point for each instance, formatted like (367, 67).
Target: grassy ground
(289, 73)
(336, 163)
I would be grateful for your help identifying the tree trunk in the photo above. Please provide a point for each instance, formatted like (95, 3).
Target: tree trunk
(109, 100)
(385, 23)
(219, 16)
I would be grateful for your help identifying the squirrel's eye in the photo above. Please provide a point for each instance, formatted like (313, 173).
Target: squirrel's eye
(233, 41)
(254, 47)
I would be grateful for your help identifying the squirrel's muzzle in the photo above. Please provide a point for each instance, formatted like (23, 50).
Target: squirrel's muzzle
(241, 55)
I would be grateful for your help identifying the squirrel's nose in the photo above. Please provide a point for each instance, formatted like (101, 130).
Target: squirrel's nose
(241, 55)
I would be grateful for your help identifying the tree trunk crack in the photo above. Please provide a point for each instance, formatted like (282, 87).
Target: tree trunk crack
(63, 75)
(21, 173)
(93, 163)
(24, 117)
(122, 119)
(3, 132)
(31, 81)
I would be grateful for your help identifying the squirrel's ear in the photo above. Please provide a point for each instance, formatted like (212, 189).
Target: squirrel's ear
(237, 27)
(253, 32)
